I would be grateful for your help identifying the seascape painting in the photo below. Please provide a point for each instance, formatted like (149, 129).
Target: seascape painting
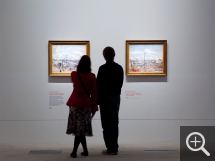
(64, 56)
(146, 58)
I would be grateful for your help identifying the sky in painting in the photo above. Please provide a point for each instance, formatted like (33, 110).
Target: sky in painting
(69, 52)
(152, 52)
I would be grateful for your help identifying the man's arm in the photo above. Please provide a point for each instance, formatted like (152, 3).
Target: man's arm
(121, 76)
(98, 81)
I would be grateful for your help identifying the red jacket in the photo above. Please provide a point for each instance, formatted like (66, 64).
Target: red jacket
(79, 97)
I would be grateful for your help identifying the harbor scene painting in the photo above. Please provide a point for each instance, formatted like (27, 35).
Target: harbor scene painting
(64, 57)
(145, 58)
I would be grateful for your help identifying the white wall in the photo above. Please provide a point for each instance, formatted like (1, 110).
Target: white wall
(184, 97)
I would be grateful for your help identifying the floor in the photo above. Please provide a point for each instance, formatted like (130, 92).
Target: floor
(127, 152)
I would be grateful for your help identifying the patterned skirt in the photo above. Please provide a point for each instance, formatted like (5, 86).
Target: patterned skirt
(79, 121)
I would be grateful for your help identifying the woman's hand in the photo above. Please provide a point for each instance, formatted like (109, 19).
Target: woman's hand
(93, 113)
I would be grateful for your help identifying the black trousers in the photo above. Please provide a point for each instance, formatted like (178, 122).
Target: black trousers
(109, 110)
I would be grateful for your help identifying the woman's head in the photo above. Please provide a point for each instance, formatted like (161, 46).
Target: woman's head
(84, 65)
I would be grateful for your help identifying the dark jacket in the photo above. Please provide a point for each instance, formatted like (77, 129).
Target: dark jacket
(110, 79)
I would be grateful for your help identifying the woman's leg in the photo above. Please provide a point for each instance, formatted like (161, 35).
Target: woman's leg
(77, 141)
(84, 143)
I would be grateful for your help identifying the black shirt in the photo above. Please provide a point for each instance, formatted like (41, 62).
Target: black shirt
(110, 79)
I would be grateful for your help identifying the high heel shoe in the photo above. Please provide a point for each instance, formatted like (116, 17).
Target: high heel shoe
(84, 153)
(73, 155)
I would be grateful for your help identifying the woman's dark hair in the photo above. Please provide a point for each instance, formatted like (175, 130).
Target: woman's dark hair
(84, 65)
(108, 53)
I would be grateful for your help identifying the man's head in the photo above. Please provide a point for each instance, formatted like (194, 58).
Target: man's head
(108, 53)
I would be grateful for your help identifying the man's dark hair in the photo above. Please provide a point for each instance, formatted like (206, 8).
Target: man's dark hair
(108, 53)
(84, 65)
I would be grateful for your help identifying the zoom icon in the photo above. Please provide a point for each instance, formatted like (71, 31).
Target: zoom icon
(195, 141)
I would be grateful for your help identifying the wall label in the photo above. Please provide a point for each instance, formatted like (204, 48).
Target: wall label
(56, 98)
(132, 95)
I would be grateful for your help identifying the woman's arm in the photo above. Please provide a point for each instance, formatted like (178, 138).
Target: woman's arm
(94, 96)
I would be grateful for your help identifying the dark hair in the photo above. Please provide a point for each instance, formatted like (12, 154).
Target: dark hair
(109, 53)
(84, 65)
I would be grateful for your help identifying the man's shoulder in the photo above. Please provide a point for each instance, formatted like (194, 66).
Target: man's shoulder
(114, 64)
(118, 66)
(102, 66)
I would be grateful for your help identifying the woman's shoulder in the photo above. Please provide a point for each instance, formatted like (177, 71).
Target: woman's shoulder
(73, 73)
(92, 74)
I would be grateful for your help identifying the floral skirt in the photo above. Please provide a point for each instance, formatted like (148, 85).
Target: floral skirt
(79, 121)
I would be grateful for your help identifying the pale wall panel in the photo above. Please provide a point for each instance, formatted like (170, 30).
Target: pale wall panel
(187, 92)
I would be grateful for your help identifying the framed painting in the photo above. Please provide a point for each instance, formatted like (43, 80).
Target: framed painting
(146, 57)
(64, 56)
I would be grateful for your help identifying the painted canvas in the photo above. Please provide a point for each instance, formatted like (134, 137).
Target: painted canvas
(146, 57)
(64, 56)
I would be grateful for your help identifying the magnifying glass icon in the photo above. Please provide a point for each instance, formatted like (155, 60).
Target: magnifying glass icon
(201, 147)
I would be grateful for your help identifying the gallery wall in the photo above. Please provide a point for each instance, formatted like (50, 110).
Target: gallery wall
(160, 104)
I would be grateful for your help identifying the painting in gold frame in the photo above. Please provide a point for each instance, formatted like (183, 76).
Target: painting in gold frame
(146, 57)
(64, 56)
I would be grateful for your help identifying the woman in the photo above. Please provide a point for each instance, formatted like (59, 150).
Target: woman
(82, 104)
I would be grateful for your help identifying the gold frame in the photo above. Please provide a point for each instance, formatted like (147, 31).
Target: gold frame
(146, 42)
(51, 43)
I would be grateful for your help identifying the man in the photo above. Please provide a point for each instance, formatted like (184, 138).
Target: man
(109, 81)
